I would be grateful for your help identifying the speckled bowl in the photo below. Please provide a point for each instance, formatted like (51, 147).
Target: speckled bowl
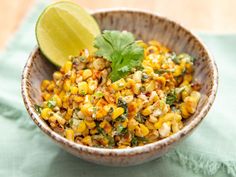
(145, 26)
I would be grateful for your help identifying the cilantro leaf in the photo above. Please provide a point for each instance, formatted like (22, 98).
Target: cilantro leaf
(171, 98)
(119, 48)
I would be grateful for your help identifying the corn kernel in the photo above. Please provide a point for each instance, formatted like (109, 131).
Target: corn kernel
(136, 88)
(83, 88)
(93, 131)
(178, 71)
(58, 100)
(68, 114)
(46, 96)
(141, 130)
(90, 124)
(137, 76)
(87, 109)
(188, 77)
(147, 111)
(87, 140)
(119, 85)
(60, 120)
(150, 86)
(66, 85)
(74, 90)
(92, 85)
(67, 66)
(45, 113)
(87, 73)
(78, 99)
(44, 84)
(132, 124)
(184, 112)
(81, 127)
(52, 119)
(117, 112)
(57, 75)
(73, 77)
(51, 86)
(70, 134)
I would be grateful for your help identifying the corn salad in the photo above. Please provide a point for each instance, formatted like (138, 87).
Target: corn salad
(151, 103)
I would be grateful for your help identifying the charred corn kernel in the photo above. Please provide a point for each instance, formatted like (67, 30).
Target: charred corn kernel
(99, 64)
(57, 75)
(93, 131)
(73, 77)
(175, 127)
(52, 118)
(101, 113)
(149, 125)
(70, 134)
(67, 66)
(137, 76)
(184, 112)
(87, 73)
(45, 84)
(87, 140)
(90, 124)
(184, 83)
(60, 120)
(151, 49)
(106, 126)
(189, 67)
(83, 88)
(58, 100)
(51, 86)
(117, 112)
(87, 109)
(46, 96)
(136, 88)
(119, 85)
(78, 99)
(66, 85)
(132, 123)
(147, 111)
(125, 123)
(162, 80)
(188, 77)
(81, 127)
(150, 86)
(74, 90)
(46, 113)
(130, 83)
(141, 130)
(86, 132)
(68, 114)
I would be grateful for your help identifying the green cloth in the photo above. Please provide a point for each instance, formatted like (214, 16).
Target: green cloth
(26, 152)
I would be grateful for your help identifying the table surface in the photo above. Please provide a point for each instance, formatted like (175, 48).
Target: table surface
(214, 16)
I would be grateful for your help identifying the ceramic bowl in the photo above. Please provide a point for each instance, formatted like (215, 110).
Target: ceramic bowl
(145, 26)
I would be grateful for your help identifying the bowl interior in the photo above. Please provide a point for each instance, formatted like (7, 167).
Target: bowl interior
(146, 27)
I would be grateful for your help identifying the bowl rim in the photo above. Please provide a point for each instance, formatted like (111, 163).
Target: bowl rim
(133, 150)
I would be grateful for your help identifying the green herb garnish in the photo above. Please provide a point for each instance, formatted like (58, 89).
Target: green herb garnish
(121, 50)
(171, 98)
(51, 103)
(38, 108)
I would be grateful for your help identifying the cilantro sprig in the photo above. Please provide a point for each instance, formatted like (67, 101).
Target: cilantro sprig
(121, 50)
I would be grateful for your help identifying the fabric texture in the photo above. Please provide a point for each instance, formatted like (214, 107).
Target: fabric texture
(26, 152)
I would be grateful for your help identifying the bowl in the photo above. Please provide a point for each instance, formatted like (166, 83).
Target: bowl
(146, 26)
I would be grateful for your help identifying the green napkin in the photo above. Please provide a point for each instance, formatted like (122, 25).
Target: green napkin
(26, 152)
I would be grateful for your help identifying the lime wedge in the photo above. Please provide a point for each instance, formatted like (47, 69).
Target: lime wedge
(63, 29)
